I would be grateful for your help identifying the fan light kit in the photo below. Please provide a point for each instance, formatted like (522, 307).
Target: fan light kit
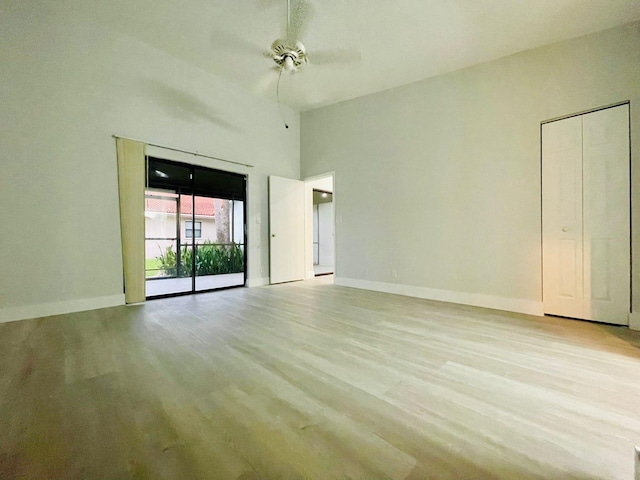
(288, 55)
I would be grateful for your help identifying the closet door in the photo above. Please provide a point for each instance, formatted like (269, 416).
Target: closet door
(607, 281)
(562, 218)
(586, 216)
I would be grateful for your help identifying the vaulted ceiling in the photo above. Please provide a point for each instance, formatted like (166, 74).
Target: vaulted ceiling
(376, 44)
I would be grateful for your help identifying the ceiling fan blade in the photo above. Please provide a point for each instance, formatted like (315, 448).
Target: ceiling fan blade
(300, 16)
(339, 55)
(228, 42)
(264, 4)
(266, 84)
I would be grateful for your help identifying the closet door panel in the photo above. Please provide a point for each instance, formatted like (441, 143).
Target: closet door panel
(562, 217)
(606, 215)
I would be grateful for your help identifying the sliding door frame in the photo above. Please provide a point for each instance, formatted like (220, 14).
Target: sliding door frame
(179, 192)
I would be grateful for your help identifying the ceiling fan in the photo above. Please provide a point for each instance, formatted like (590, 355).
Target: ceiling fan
(287, 54)
(290, 55)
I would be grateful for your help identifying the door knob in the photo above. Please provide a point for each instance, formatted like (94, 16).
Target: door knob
(273, 235)
(565, 229)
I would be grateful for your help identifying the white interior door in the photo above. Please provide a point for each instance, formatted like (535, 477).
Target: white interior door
(562, 217)
(607, 233)
(586, 216)
(286, 230)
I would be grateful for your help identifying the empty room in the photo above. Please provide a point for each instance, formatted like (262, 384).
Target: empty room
(304, 239)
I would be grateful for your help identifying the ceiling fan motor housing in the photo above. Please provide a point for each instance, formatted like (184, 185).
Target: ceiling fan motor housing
(286, 48)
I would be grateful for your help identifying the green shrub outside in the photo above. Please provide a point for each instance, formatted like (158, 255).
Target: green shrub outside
(211, 259)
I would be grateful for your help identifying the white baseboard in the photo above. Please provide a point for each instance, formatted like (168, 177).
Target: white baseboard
(475, 299)
(634, 321)
(257, 282)
(57, 308)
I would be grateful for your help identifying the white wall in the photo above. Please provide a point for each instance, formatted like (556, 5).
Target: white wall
(446, 171)
(325, 233)
(65, 88)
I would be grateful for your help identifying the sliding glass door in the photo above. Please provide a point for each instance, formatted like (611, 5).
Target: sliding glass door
(220, 263)
(195, 229)
(164, 247)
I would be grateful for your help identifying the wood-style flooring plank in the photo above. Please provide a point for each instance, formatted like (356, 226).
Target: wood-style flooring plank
(314, 381)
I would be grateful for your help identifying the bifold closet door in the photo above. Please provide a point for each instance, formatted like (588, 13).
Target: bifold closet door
(562, 217)
(607, 213)
(586, 216)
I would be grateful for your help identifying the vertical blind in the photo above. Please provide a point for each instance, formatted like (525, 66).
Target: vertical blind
(131, 185)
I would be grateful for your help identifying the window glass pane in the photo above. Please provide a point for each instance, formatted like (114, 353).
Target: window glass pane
(165, 174)
(225, 185)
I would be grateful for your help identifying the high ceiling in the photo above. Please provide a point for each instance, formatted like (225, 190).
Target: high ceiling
(398, 41)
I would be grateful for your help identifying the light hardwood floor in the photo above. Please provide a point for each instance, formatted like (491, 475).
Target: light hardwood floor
(316, 381)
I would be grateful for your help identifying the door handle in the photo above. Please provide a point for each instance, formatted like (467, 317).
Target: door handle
(273, 235)
(565, 229)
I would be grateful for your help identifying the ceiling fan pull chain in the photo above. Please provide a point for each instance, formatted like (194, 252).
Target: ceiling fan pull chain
(278, 100)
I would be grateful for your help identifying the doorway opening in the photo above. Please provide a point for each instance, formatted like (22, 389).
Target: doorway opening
(322, 232)
(195, 229)
(320, 210)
